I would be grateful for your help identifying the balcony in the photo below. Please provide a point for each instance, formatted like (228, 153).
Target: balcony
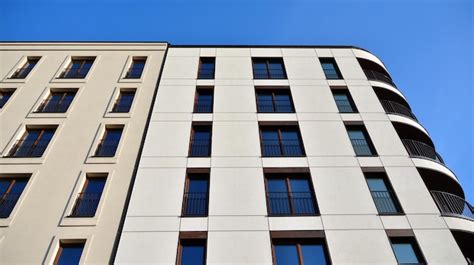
(392, 107)
(7, 203)
(54, 105)
(200, 148)
(378, 76)
(275, 148)
(453, 205)
(291, 204)
(385, 202)
(28, 148)
(86, 205)
(275, 106)
(195, 204)
(421, 150)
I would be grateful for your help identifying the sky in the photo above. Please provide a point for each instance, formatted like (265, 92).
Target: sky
(427, 45)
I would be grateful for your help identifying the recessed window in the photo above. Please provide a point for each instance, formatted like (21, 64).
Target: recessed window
(207, 67)
(201, 141)
(124, 101)
(330, 68)
(33, 143)
(57, 102)
(136, 68)
(300, 251)
(192, 252)
(360, 140)
(196, 195)
(5, 95)
(78, 68)
(26, 68)
(10, 191)
(69, 253)
(88, 199)
(268, 68)
(384, 197)
(406, 250)
(344, 101)
(204, 100)
(281, 141)
(274, 101)
(109, 143)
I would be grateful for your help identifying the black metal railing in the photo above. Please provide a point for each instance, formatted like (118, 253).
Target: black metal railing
(134, 72)
(397, 108)
(282, 148)
(74, 72)
(203, 106)
(195, 203)
(206, 73)
(419, 149)
(452, 205)
(378, 76)
(7, 203)
(107, 148)
(21, 73)
(200, 148)
(122, 106)
(28, 148)
(292, 203)
(385, 202)
(54, 105)
(86, 205)
(345, 106)
(275, 106)
(362, 147)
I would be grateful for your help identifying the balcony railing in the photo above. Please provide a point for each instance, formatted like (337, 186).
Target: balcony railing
(378, 76)
(419, 149)
(74, 72)
(134, 73)
(275, 106)
(345, 106)
(293, 203)
(28, 148)
(107, 148)
(385, 202)
(86, 205)
(122, 106)
(203, 106)
(7, 203)
(54, 105)
(397, 108)
(21, 73)
(195, 204)
(362, 147)
(452, 205)
(274, 148)
(200, 148)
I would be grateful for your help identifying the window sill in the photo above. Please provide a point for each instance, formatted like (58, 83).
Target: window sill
(78, 221)
(69, 80)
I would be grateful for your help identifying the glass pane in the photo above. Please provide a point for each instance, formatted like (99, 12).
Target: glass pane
(405, 253)
(95, 185)
(291, 143)
(70, 255)
(113, 135)
(278, 199)
(270, 135)
(277, 185)
(202, 134)
(356, 135)
(286, 255)
(302, 197)
(314, 255)
(300, 185)
(376, 184)
(328, 66)
(198, 185)
(19, 186)
(4, 184)
(193, 255)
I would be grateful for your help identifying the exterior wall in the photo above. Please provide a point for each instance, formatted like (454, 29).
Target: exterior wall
(40, 219)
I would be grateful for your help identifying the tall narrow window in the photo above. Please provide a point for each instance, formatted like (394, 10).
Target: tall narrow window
(406, 250)
(274, 101)
(268, 68)
(204, 100)
(10, 192)
(57, 102)
(33, 143)
(136, 68)
(201, 141)
(196, 195)
(289, 195)
(344, 101)
(300, 251)
(23, 72)
(5, 95)
(109, 143)
(281, 141)
(78, 68)
(361, 141)
(124, 102)
(69, 253)
(383, 194)
(88, 200)
(330, 68)
(192, 252)
(207, 67)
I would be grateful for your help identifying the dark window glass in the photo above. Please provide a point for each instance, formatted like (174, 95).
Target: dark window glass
(201, 141)
(344, 101)
(269, 101)
(206, 67)
(383, 195)
(10, 192)
(57, 102)
(25, 69)
(360, 141)
(33, 143)
(268, 68)
(406, 250)
(203, 102)
(330, 68)
(281, 142)
(4, 97)
(196, 201)
(78, 68)
(69, 254)
(124, 102)
(300, 253)
(136, 68)
(193, 252)
(109, 143)
(88, 200)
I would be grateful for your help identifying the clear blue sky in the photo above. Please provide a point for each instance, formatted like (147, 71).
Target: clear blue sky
(427, 45)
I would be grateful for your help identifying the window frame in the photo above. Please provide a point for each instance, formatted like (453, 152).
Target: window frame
(267, 61)
(101, 139)
(332, 60)
(393, 195)
(51, 91)
(24, 133)
(201, 59)
(299, 237)
(191, 138)
(21, 65)
(196, 99)
(130, 67)
(72, 243)
(195, 174)
(346, 92)
(82, 190)
(65, 68)
(278, 128)
(274, 91)
(13, 179)
(196, 236)
(414, 244)
(10, 91)
(119, 96)
(367, 138)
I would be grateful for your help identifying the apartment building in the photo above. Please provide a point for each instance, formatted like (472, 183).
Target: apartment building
(72, 118)
(286, 156)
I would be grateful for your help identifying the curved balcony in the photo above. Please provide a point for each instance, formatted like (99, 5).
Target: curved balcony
(421, 150)
(392, 107)
(379, 76)
(453, 205)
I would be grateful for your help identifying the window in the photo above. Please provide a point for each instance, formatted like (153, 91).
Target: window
(382, 193)
(330, 68)
(274, 101)
(10, 191)
(203, 101)
(281, 141)
(88, 200)
(207, 67)
(69, 253)
(268, 68)
(290, 194)
(136, 68)
(196, 195)
(78, 68)
(109, 143)
(299, 252)
(57, 102)
(344, 101)
(33, 143)
(124, 102)
(200, 141)
(360, 141)
(23, 72)
(5, 95)
(192, 252)
(406, 250)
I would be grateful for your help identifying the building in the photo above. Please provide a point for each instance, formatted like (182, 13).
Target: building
(72, 117)
(284, 155)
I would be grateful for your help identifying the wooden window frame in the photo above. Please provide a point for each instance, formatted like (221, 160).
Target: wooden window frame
(61, 247)
(273, 91)
(198, 236)
(199, 173)
(191, 138)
